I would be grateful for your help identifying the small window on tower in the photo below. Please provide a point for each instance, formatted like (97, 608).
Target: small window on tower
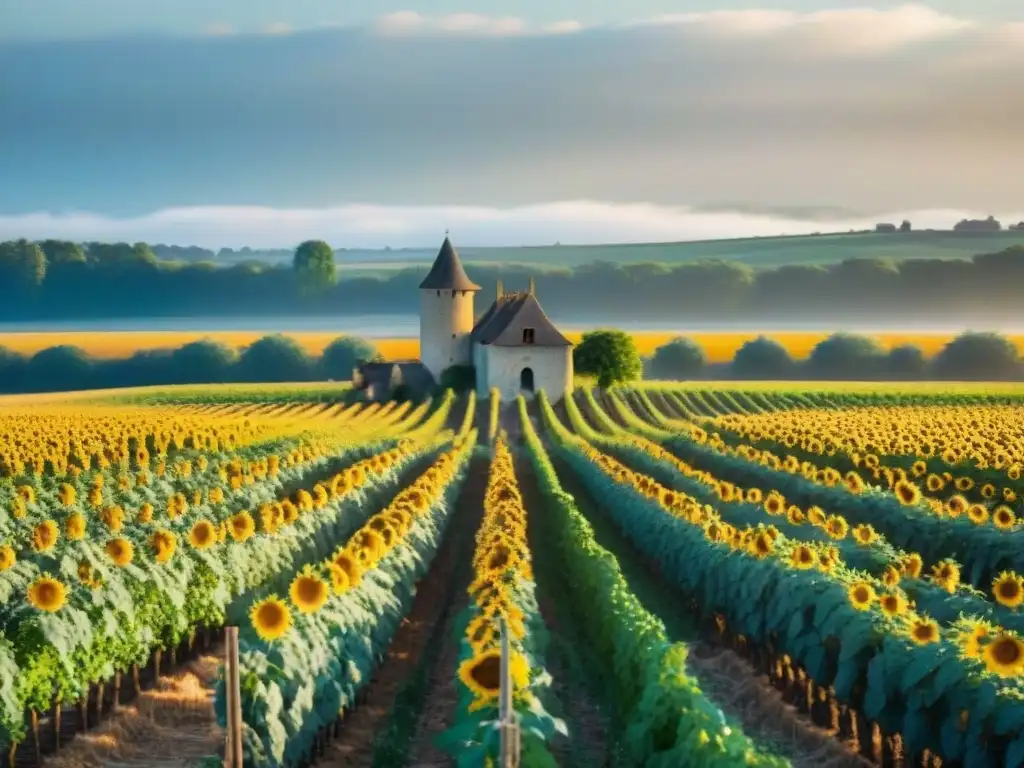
(438, 293)
(527, 335)
(453, 335)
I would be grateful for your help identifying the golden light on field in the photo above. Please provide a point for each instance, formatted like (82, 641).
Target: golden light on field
(720, 347)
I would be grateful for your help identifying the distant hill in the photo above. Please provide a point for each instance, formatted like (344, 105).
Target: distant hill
(757, 252)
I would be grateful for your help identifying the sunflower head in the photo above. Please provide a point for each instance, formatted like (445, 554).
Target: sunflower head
(271, 618)
(1003, 517)
(163, 543)
(44, 536)
(861, 595)
(1004, 655)
(120, 550)
(1008, 589)
(241, 526)
(893, 604)
(309, 591)
(803, 557)
(47, 594)
(203, 534)
(74, 526)
(7, 558)
(923, 631)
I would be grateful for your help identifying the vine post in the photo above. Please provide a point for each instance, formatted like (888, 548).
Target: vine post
(507, 722)
(232, 686)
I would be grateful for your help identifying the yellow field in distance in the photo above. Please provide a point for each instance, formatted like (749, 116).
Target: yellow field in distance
(720, 347)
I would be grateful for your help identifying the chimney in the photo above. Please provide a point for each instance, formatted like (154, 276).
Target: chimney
(533, 287)
(499, 292)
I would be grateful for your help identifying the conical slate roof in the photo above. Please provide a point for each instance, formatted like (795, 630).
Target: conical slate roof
(447, 273)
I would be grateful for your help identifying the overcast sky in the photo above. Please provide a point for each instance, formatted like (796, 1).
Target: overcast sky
(780, 118)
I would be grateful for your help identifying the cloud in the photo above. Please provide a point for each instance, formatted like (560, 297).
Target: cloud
(277, 28)
(472, 24)
(870, 110)
(576, 221)
(839, 31)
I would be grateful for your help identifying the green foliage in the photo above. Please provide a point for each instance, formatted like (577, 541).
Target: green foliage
(494, 412)
(459, 378)
(680, 358)
(342, 355)
(275, 358)
(666, 718)
(978, 356)
(846, 356)
(22, 264)
(762, 358)
(314, 268)
(301, 682)
(609, 355)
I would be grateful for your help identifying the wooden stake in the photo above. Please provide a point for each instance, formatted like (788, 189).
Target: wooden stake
(233, 691)
(56, 725)
(35, 739)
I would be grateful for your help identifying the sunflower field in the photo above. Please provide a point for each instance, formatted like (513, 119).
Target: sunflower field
(713, 575)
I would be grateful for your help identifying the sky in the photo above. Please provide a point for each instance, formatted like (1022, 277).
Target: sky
(251, 122)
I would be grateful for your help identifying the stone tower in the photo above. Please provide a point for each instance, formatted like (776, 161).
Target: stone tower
(446, 313)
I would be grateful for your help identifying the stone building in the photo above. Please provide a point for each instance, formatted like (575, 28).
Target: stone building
(512, 346)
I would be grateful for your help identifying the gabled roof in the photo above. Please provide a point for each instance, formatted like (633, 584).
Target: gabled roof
(447, 273)
(503, 323)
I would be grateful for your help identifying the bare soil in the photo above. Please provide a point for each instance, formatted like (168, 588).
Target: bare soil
(170, 725)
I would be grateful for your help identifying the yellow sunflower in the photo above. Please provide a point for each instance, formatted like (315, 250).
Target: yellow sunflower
(163, 543)
(1008, 589)
(203, 534)
(864, 535)
(7, 558)
(912, 565)
(978, 514)
(803, 557)
(893, 604)
(47, 594)
(241, 526)
(120, 551)
(308, 591)
(1004, 655)
(271, 618)
(861, 595)
(44, 536)
(74, 526)
(923, 631)
(907, 492)
(1003, 518)
(481, 673)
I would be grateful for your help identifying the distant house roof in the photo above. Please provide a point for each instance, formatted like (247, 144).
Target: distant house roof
(447, 273)
(503, 323)
(413, 374)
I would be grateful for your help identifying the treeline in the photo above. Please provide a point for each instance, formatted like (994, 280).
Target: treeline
(60, 280)
(273, 358)
(845, 357)
(277, 358)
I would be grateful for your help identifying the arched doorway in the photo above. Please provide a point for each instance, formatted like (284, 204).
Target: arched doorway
(526, 380)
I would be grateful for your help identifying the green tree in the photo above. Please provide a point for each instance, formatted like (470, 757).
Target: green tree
(22, 264)
(275, 358)
(343, 354)
(681, 358)
(762, 358)
(978, 357)
(314, 267)
(63, 252)
(609, 355)
(846, 356)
